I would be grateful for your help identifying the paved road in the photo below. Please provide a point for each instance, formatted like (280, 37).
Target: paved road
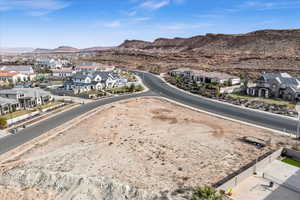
(157, 87)
(272, 121)
(12, 141)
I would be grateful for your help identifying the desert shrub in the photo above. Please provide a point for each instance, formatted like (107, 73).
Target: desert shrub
(207, 193)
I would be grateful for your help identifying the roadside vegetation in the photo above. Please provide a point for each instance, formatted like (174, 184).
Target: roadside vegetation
(3, 123)
(204, 89)
(126, 89)
(129, 76)
(16, 114)
(269, 101)
(54, 103)
(208, 193)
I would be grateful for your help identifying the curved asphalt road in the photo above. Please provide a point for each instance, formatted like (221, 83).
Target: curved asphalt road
(12, 141)
(160, 88)
(272, 121)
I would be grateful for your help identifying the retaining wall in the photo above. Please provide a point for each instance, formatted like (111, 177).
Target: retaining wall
(253, 167)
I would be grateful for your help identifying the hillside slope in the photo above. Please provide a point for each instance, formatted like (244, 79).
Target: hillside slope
(264, 50)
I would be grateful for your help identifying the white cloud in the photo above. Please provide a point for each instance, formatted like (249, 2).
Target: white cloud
(270, 5)
(154, 4)
(33, 7)
(112, 24)
(141, 19)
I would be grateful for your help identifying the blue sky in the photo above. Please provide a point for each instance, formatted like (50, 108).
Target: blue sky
(87, 23)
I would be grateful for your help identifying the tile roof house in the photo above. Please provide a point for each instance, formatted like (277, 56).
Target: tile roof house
(26, 72)
(8, 76)
(23, 69)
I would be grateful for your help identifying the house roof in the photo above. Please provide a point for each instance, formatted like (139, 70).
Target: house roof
(18, 68)
(6, 101)
(81, 75)
(5, 73)
(86, 67)
(28, 92)
(268, 76)
(63, 70)
(288, 81)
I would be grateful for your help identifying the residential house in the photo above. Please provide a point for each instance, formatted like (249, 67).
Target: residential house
(8, 105)
(62, 73)
(86, 68)
(11, 77)
(280, 85)
(83, 81)
(206, 77)
(27, 97)
(26, 71)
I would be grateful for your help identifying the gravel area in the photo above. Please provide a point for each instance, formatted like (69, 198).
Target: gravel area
(150, 144)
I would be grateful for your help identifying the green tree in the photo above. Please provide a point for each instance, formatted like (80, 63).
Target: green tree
(3, 122)
(207, 193)
(132, 88)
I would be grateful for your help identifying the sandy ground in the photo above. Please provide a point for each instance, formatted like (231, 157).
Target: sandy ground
(12, 193)
(151, 144)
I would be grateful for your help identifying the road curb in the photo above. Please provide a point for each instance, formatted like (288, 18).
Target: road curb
(44, 138)
(226, 118)
(225, 103)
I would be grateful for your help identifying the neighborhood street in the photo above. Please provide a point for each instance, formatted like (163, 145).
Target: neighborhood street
(159, 88)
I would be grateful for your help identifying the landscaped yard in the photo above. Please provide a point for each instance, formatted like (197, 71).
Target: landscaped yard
(269, 101)
(24, 112)
(55, 103)
(17, 114)
(291, 162)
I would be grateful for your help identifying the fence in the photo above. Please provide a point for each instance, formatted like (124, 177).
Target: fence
(23, 117)
(292, 154)
(245, 172)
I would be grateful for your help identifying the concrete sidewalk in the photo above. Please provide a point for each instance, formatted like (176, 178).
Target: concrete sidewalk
(286, 179)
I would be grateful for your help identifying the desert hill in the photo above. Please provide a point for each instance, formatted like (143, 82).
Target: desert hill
(253, 53)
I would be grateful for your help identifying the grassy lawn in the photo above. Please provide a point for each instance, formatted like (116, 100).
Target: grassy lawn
(17, 114)
(269, 101)
(291, 162)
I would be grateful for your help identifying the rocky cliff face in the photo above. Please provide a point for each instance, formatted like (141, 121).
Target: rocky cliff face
(253, 53)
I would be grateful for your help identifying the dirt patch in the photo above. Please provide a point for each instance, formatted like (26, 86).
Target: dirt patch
(150, 144)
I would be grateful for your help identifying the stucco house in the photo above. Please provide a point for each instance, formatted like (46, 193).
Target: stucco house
(26, 72)
(11, 77)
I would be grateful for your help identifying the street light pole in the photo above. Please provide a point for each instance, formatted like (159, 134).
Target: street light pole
(298, 126)
(298, 122)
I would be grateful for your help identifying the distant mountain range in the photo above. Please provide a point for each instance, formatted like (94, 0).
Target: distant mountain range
(61, 49)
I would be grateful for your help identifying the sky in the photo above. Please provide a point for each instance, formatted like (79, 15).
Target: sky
(88, 23)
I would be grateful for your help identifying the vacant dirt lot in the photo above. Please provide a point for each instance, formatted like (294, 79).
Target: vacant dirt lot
(151, 144)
